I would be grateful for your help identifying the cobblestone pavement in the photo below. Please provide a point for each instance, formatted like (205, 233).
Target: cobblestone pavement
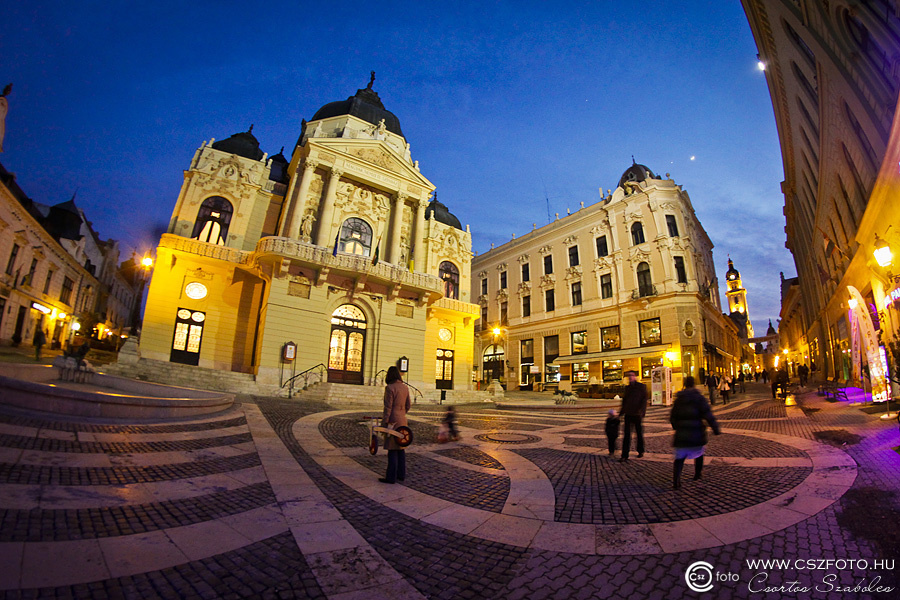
(280, 499)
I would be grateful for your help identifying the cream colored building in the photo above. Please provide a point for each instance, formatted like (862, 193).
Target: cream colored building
(832, 70)
(337, 250)
(625, 283)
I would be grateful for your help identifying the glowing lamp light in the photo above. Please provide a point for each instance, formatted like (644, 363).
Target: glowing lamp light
(147, 262)
(785, 351)
(496, 331)
(671, 355)
(852, 303)
(883, 255)
(76, 326)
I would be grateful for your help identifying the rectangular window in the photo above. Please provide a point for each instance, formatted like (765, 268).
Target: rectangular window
(647, 365)
(526, 272)
(573, 256)
(580, 373)
(526, 306)
(606, 286)
(602, 248)
(650, 332)
(502, 280)
(484, 286)
(504, 313)
(673, 225)
(66, 293)
(31, 270)
(549, 301)
(612, 370)
(10, 265)
(484, 320)
(610, 339)
(579, 342)
(548, 264)
(48, 281)
(576, 293)
(680, 273)
(527, 349)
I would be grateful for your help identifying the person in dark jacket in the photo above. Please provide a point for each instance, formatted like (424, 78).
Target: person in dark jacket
(689, 411)
(712, 383)
(634, 405)
(612, 430)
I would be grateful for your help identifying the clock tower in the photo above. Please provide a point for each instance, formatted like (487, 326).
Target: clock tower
(737, 295)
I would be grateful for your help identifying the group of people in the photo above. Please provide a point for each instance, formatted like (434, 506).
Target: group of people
(690, 415)
(689, 418)
(725, 385)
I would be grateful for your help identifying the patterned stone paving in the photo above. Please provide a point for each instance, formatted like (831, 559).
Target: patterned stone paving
(399, 554)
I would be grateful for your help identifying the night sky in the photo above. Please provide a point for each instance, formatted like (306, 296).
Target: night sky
(514, 110)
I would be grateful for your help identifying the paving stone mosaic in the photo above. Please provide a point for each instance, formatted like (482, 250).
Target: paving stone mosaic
(45, 444)
(345, 431)
(52, 475)
(597, 489)
(51, 423)
(78, 524)
(472, 456)
(766, 409)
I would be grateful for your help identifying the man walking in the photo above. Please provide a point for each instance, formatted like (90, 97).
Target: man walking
(712, 383)
(634, 406)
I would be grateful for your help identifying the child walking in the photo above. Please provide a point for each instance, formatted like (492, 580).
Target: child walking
(612, 430)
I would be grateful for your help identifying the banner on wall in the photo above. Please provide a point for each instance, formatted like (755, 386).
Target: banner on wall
(864, 332)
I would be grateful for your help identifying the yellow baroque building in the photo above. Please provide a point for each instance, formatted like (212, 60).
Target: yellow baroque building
(334, 263)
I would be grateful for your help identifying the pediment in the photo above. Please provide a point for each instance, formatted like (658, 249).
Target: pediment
(373, 154)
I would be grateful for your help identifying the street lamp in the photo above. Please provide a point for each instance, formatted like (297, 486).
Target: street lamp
(883, 255)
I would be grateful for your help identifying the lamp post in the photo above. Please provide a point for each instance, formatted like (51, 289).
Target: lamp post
(885, 258)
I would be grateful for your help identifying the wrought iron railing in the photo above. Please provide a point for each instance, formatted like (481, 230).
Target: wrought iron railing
(319, 371)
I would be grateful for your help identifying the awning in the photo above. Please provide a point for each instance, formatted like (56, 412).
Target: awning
(609, 355)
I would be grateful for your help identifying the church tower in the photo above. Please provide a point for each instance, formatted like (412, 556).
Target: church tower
(737, 295)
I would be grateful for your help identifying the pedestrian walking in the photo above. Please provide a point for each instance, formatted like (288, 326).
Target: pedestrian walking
(689, 417)
(449, 421)
(725, 388)
(741, 379)
(40, 338)
(712, 383)
(765, 376)
(612, 430)
(396, 405)
(634, 406)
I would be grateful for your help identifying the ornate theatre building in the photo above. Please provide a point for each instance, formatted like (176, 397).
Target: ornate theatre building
(335, 257)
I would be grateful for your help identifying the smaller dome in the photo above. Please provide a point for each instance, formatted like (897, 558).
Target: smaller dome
(278, 168)
(770, 330)
(242, 144)
(636, 173)
(440, 213)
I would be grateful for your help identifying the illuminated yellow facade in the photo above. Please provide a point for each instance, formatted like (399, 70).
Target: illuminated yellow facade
(337, 251)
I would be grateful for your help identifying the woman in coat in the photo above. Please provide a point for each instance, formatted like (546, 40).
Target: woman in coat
(396, 404)
(689, 411)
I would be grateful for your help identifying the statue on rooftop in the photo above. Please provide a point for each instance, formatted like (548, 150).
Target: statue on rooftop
(4, 107)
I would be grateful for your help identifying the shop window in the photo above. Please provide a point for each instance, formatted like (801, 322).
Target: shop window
(612, 370)
(580, 373)
(647, 365)
(650, 332)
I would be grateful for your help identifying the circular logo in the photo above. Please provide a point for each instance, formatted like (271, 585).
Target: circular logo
(699, 576)
(445, 334)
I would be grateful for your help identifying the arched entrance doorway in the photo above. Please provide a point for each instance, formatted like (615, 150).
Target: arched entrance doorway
(494, 363)
(345, 352)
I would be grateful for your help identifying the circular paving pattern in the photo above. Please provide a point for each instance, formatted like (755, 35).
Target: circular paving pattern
(507, 438)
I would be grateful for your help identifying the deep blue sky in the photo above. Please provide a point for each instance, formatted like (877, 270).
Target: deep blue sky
(505, 104)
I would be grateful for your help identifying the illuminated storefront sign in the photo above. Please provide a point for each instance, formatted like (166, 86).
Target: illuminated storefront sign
(40, 307)
(891, 297)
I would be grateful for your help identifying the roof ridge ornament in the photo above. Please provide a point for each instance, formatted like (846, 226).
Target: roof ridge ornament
(371, 80)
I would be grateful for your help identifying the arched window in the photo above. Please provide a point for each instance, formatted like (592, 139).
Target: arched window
(449, 274)
(356, 237)
(212, 222)
(645, 284)
(637, 233)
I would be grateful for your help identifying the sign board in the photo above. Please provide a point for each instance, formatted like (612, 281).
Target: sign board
(661, 386)
(403, 364)
(535, 369)
(289, 352)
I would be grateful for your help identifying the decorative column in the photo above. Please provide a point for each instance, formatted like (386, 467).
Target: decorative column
(419, 254)
(326, 214)
(299, 200)
(396, 227)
